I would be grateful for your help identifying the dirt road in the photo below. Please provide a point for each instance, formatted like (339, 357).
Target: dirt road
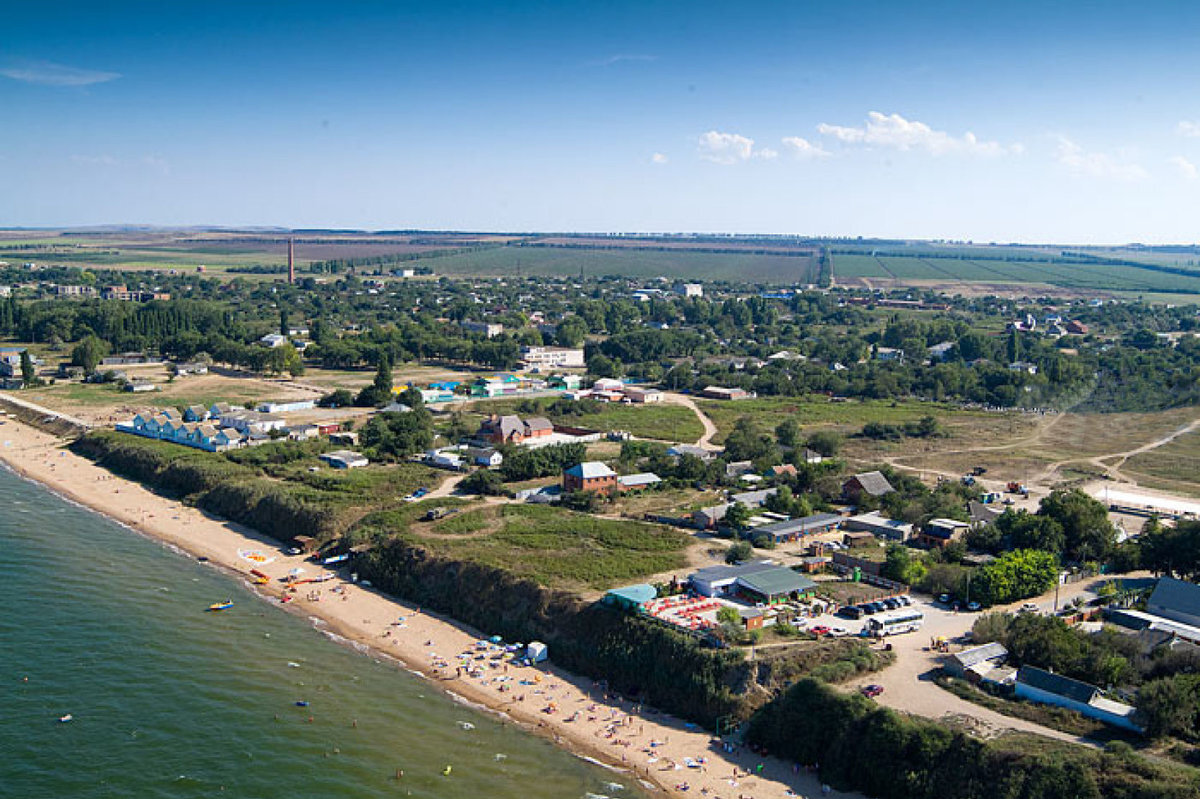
(710, 429)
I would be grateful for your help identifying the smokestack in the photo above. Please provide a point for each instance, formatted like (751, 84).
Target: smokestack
(291, 261)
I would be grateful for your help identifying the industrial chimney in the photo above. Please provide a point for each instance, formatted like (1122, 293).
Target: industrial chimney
(291, 261)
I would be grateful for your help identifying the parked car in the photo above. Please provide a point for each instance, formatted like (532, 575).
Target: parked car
(820, 629)
(851, 612)
(878, 607)
(974, 606)
(1029, 607)
(872, 691)
(838, 632)
(944, 599)
(868, 609)
(891, 603)
(905, 601)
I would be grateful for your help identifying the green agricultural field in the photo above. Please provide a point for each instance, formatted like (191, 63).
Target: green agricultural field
(630, 262)
(554, 547)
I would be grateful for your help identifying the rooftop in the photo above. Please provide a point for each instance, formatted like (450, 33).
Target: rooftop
(590, 470)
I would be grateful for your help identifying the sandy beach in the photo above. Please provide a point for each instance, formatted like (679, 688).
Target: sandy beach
(662, 751)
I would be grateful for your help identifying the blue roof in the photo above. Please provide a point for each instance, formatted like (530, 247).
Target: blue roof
(640, 593)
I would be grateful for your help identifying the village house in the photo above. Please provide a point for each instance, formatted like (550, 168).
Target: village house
(590, 476)
(980, 664)
(940, 533)
(637, 482)
(500, 430)
(488, 329)
(484, 456)
(871, 483)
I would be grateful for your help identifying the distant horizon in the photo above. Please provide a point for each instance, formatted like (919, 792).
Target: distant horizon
(363, 231)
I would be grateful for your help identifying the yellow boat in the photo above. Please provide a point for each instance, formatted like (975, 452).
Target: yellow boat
(226, 605)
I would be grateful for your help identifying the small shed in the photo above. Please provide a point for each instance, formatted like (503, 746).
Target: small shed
(536, 652)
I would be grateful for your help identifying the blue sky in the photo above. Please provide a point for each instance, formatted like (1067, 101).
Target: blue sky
(1010, 121)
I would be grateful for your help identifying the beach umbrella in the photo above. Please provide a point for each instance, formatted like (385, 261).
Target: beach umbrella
(495, 639)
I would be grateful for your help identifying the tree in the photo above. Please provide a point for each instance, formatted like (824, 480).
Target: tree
(788, 432)
(1169, 706)
(399, 434)
(899, 565)
(747, 443)
(485, 482)
(88, 353)
(737, 516)
(601, 365)
(28, 373)
(1087, 532)
(825, 442)
(739, 552)
(1015, 575)
(339, 398)
(284, 327)
(380, 390)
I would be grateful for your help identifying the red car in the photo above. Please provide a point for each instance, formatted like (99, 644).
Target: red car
(820, 629)
(872, 691)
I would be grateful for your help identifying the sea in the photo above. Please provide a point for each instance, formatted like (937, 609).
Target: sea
(164, 699)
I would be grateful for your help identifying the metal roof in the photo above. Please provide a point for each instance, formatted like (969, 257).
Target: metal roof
(1177, 597)
(1057, 684)
(978, 654)
(642, 479)
(715, 573)
(639, 594)
(874, 483)
(775, 581)
(591, 470)
(801, 525)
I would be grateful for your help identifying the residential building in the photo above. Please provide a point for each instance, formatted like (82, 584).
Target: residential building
(940, 351)
(69, 292)
(941, 533)
(707, 518)
(484, 456)
(690, 289)
(489, 329)
(590, 476)
(344, 459)
(876, 524)
(190, 368)
(1045, 687)
(553, 357)
(566, 382)
(195, 413)
(889, 354)
(273, 340)
(500, 430)
(811, 457)
(753, 499)
(871, 483)
(302, 432)
(1078, 328)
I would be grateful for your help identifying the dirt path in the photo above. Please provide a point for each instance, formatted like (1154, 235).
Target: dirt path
(710, 429)
(447, 487)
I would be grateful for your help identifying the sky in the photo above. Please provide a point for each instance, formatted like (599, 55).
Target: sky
(1066, 122)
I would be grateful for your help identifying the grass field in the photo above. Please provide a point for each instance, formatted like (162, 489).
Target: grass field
(1172, 467)
(554, 547)
(664, 422)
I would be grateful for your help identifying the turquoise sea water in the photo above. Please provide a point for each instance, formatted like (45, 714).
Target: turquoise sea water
(170, 701)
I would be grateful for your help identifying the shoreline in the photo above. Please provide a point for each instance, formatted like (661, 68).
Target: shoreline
(585, 722)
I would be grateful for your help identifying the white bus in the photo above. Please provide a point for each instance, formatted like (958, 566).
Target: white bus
(902, 621)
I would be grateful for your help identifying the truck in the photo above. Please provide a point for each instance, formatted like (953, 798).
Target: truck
(1018, 488)
(433, 514)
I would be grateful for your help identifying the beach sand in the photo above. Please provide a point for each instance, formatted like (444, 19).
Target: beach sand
(654, 747)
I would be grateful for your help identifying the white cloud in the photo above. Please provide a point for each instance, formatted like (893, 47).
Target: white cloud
(1186, 168)
(896, 132)
(803, 148)
(725, 148)
(47, 73)
(766, 153)
(658, 158)
(1094, 164)
(1188, 128)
